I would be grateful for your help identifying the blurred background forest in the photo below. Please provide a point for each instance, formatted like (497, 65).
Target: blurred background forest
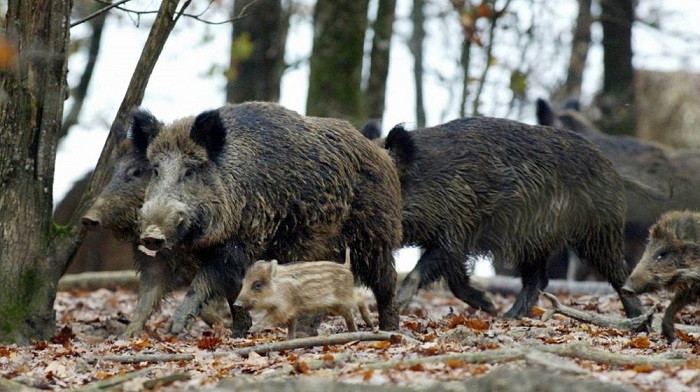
(631, 65)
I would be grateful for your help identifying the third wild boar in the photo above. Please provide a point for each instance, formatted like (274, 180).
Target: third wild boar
(256, 181)
(671, 261)
(289, 290)
(513, 191)
(673, 172)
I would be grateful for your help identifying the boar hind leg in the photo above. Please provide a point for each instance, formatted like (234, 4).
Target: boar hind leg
(680, 299)
(611, 266)
(152, 288)
(349, 320)
(534, 278)
(380, 276)
(291, 328)
(428, 269)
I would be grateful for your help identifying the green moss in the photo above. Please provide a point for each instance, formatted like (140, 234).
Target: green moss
(16, 301)
(57, 229)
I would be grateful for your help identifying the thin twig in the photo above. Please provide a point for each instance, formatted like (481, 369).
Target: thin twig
(99, 12)
(624, 324)
(113, 381)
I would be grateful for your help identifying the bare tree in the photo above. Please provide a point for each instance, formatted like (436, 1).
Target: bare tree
(336, 60)
(416, 46)
(617, 101)
(581, 41)
(257, 51)
(33, 252)
(379, 58)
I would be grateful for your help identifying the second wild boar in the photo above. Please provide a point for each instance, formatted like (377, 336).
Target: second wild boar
(671, 261)
(256, 181)
(288, 291)
(513, 191)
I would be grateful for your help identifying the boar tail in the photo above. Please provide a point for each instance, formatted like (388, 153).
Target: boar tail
(347, 262)
(400, 143)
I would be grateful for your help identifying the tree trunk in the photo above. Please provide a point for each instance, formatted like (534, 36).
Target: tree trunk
(257, 51)
(580, 43)
(379, 59)
(416, 46)
(336, 60)
(30, 113)
(617, 102)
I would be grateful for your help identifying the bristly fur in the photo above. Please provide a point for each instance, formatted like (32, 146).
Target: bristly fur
(671, 172)
(518, 192)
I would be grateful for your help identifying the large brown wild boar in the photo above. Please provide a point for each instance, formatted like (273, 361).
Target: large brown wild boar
(256, 181)
(116, 209)
(671, 261)
(513, 191)
(287, 291)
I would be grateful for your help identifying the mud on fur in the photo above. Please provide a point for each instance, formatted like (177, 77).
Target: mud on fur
(670, 261)
(287, 291)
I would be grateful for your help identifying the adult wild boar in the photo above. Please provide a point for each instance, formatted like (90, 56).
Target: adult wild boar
(257, 181)
(672, 172)
(116, 209)
(513, 191)
(671, 261)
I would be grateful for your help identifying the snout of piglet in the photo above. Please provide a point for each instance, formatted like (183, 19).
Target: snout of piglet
(160, 222)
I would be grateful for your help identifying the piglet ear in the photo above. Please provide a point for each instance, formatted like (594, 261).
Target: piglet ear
(209, 132)
(144, 128)
(273, 268)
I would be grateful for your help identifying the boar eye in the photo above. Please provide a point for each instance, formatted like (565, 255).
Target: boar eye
(155, 170)
(662, 255)
(136, 173)
(189, 172)
(258, 285)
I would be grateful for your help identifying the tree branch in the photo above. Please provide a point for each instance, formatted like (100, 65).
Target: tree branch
(624, 324)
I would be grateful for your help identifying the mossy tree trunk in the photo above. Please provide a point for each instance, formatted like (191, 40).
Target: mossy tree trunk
(257, 51)
(379, 59)
(336, 60)
(617, 100)
(33, 90)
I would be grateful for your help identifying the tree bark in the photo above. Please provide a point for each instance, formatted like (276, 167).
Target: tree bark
(257, 51)
(416, 46)
(336, 60)
(617, 101)
(30, 114)
(580, 43)
(379, 59)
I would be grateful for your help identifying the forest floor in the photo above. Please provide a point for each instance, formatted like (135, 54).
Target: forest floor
(443, 343)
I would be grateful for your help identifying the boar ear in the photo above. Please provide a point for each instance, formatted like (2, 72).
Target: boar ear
(273, 268)
(209, 132)
(545, 113)
(371, 130)
(400, 143)
(659, 233)
(144, 128)
(686, 228)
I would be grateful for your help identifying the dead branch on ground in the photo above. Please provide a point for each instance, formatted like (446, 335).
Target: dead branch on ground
(622, 324)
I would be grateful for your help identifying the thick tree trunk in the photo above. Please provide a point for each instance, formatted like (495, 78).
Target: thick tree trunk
(416, 46)
(379, 59)
(617, 102)
(336, 60)
(579, 53)
(31, 109)
(257, 51)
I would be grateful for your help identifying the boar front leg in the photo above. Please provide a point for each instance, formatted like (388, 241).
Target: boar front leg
(680, 299)
(221, 276)
(154, 275)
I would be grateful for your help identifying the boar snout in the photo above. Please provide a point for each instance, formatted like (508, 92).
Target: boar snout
(628, 291)
(153, 238)
(90, 222)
